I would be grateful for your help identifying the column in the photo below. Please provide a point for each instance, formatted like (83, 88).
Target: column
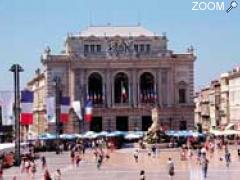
(82, 86)
(72, 85)
(134, 88)
(155, 89)
(108, 88)
(159, 87)
(112, 90)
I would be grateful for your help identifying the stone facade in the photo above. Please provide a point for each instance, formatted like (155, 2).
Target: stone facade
(125, 71)
(38, 86)
(234, 98)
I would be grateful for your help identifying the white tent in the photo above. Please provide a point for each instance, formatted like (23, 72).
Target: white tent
(225, 132)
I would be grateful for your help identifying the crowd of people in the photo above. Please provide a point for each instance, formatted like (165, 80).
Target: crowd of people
(101, 151)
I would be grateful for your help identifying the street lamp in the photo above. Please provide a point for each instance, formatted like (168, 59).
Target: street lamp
(57, 81)
(16, 69)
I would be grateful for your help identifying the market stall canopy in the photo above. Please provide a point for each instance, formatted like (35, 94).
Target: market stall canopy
(183, 133)
(134, 135)
(225, 132)
(90, 135)
(47, 136)
(103, 133)
(116, 134)
(68, 136)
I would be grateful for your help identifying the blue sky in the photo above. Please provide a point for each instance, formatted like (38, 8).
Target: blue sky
(27, 27)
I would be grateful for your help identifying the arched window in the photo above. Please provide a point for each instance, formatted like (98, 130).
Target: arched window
(121, 88)
(182, 92)
(95, 88)
(147, 92)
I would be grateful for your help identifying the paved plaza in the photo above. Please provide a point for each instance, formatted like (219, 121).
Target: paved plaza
(121, 166)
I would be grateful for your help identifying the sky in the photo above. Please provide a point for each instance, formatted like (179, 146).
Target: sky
(27, 27)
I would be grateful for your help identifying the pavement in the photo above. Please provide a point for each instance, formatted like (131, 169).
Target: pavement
(122, 166)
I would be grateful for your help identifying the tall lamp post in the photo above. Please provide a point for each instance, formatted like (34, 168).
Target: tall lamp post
(16, 69)
(57, 81)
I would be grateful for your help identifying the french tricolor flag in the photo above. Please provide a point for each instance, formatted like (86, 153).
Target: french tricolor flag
(26, 107)
(88, 111)
(65, 105)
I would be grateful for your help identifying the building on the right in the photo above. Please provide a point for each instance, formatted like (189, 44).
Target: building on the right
(234, 98)
(217, 106)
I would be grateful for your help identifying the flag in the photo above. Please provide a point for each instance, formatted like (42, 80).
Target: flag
(152, 96)
(103, 98)
(51, 109)
(141, 97)
(123, 92)
(94, 97)
(144, 96)
(155, 96)
(76, 105)
(26, 107)
(90, 96)
(88, 111)
(65, 105)
(6, 103)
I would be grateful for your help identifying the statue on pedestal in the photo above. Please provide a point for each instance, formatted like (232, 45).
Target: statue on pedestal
(155, 132)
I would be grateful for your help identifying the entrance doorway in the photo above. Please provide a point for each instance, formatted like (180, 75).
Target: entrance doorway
(122, 123)
(96, 124)
(146, 122)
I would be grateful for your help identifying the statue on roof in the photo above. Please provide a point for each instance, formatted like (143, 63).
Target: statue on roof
(47, 50)
(190, 49)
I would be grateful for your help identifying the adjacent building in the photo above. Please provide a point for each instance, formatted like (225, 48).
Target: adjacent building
(218, 105)
(125, 71)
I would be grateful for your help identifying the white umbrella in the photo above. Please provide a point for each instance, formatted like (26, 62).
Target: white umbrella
(133, 136)
(90, 135)
(103, 133)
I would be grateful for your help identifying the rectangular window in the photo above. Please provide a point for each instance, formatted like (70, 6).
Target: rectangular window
(136, 48)
(182, 96)
(142, 48)
(148, 48)
(92, 48)
(98, 48)
(86, 48)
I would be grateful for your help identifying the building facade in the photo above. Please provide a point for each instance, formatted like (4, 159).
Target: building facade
(234, 97)
(38, 86)
(125, 71)
(218, 105)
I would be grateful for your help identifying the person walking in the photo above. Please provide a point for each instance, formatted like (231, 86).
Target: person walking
(238, 148)
(142, 175)
(57, 175)
(33, 169)
(154, 151)
(135, 155)
(170, 168)
(1, 172)
(47, 175)
(99, 160)
(78, 159)
(204, 164)
(227, 158)
(44, 162)
(72, 156)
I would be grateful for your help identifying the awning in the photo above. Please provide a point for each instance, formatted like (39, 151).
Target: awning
(225, 132)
